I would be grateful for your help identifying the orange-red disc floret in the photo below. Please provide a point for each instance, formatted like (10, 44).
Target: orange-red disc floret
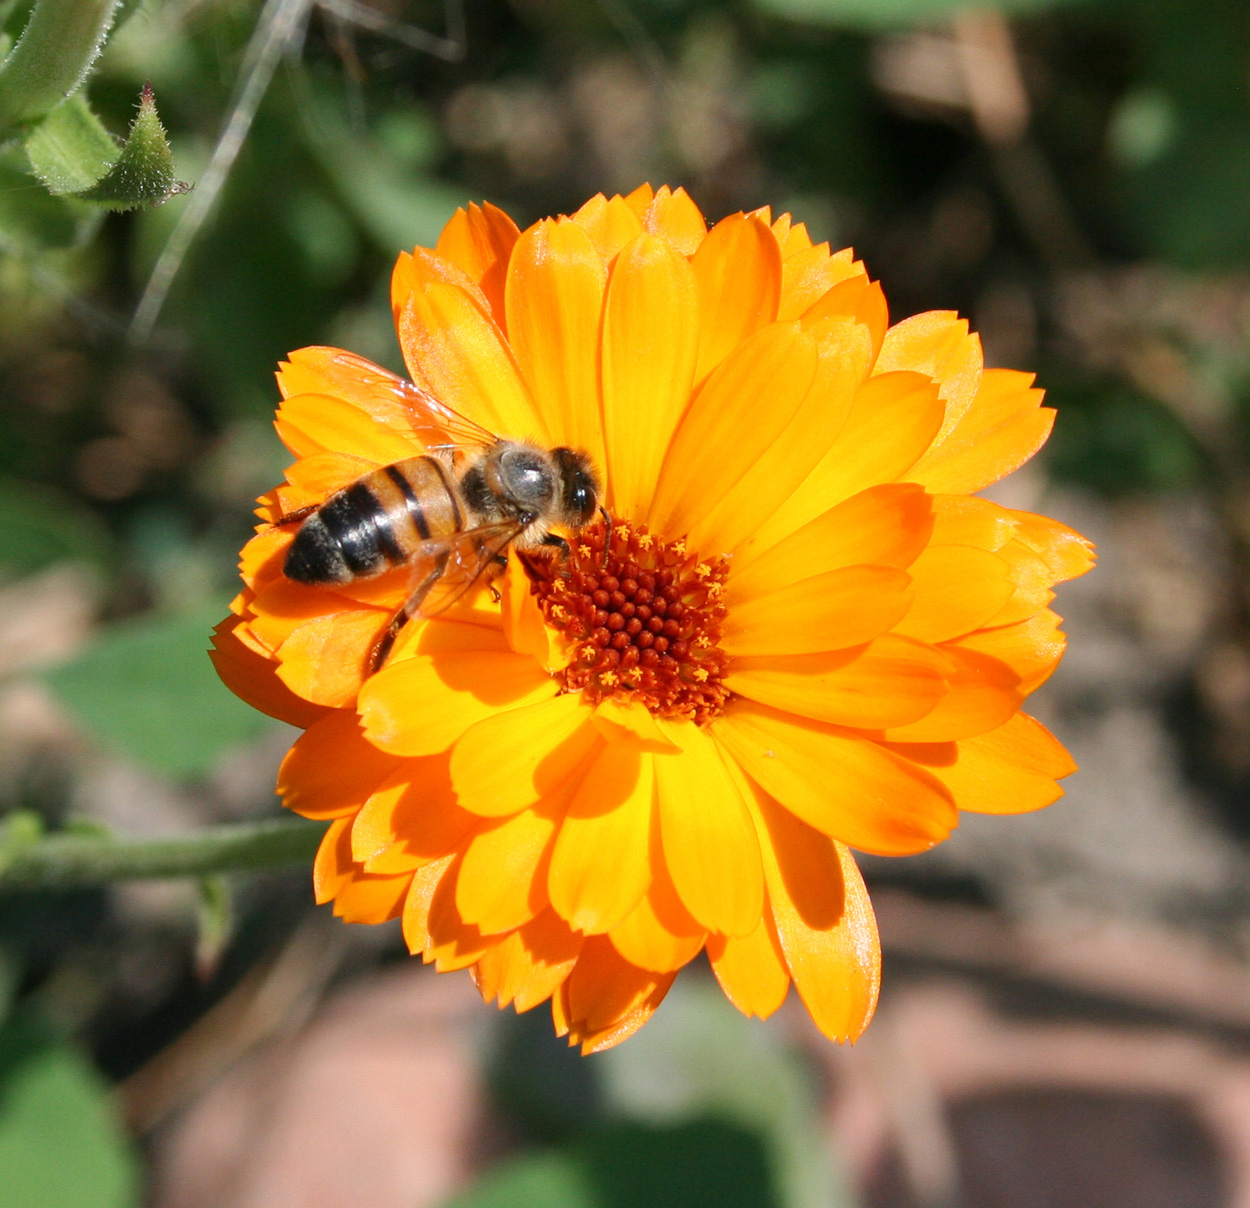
(644, 622)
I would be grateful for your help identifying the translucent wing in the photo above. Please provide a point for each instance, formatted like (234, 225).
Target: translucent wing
(437, 426)
(444, 569)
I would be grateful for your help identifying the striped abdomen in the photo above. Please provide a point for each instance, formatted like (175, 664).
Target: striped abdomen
(376, 523)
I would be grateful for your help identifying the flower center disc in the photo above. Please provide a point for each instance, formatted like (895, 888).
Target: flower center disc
(644, 623)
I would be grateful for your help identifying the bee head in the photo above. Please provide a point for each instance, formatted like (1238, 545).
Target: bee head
(579, 487)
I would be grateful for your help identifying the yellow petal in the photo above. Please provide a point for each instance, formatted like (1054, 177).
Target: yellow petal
(709, 844)
(859, 299)
(882, 526)
(502, 881)
(738, 269)
(1010, 770)
(609, 224)
(1000, 431)
(889, 682)
(555, 303)
(981, 695)
(836, 964)
(781, 467)
(528, 966)
(737, 416)
(751, 968)
(650, 336)
(837, 781)
(939, 345)
(810, 273)
(422, 705)
(676, 219)
(892, 422)
(632, 722)
(513, 759)
(830, 611)
(601, 866)
(454, 350)
(957, 589)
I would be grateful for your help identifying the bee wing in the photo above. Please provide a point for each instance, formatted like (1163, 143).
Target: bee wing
(464, 558)
(436, 424)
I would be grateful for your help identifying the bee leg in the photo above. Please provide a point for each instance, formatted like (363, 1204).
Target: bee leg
(297, 515)
(556, 542)
(498, 564)
(607, 536)
(410, 609)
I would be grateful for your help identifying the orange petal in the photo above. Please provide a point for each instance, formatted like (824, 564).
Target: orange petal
(859, 299)
(650, 335)
(1066, 553)
(632, 722)
(1002, 429)
(411, 818)
(751, 968)
(502, 881)
(962, 520)
(830, 611)
(835, 963)
(601, 866)
(454, 350)
(640, 199)
(422, 705)
(524, 626)
(738, 270)
(809, 273)
(781, 467)
(325, 659)
(610, 224)
(319, 423)
(939, 345)
(1032, 648)
(1010, 770)
(883, 526)
(844, 785)
(254, 678)
(317, 477)
(346, 376)
(606, 999)
(958, 589)
(513, 759)
(555, 304)
(479, 241)
(659, 934)
(260, 562)
(453, 943)
(676, 219)
(416, 914)
(331, 769)
(1031, 580)
(709, 844)
(982, 694)
(892, 421)
(358, 896)
(737, 416)
(528, 966)
(889, 682)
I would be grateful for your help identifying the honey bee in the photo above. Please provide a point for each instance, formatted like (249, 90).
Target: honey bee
(449, 515)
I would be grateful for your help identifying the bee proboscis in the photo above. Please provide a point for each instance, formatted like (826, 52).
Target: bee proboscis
(449, 514)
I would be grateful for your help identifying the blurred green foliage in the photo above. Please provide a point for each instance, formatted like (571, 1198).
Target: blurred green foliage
(59, 1144)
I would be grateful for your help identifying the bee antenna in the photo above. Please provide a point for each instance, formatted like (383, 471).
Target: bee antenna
(607, 535)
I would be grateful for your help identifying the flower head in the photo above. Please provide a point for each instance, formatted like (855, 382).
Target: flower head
(801, 633)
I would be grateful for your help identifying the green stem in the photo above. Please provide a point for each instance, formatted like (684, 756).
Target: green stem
(52, 57)
(64, 860)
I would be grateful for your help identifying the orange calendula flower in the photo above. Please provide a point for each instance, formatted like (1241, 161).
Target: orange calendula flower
(806, 634)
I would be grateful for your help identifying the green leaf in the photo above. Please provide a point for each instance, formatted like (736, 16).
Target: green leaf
(144, 173)
(73, 154)
(148, 690)
(52, 57)
(543, 1180)
(878, 14)
(70, 149)
(60, 1146)
(31, 219)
